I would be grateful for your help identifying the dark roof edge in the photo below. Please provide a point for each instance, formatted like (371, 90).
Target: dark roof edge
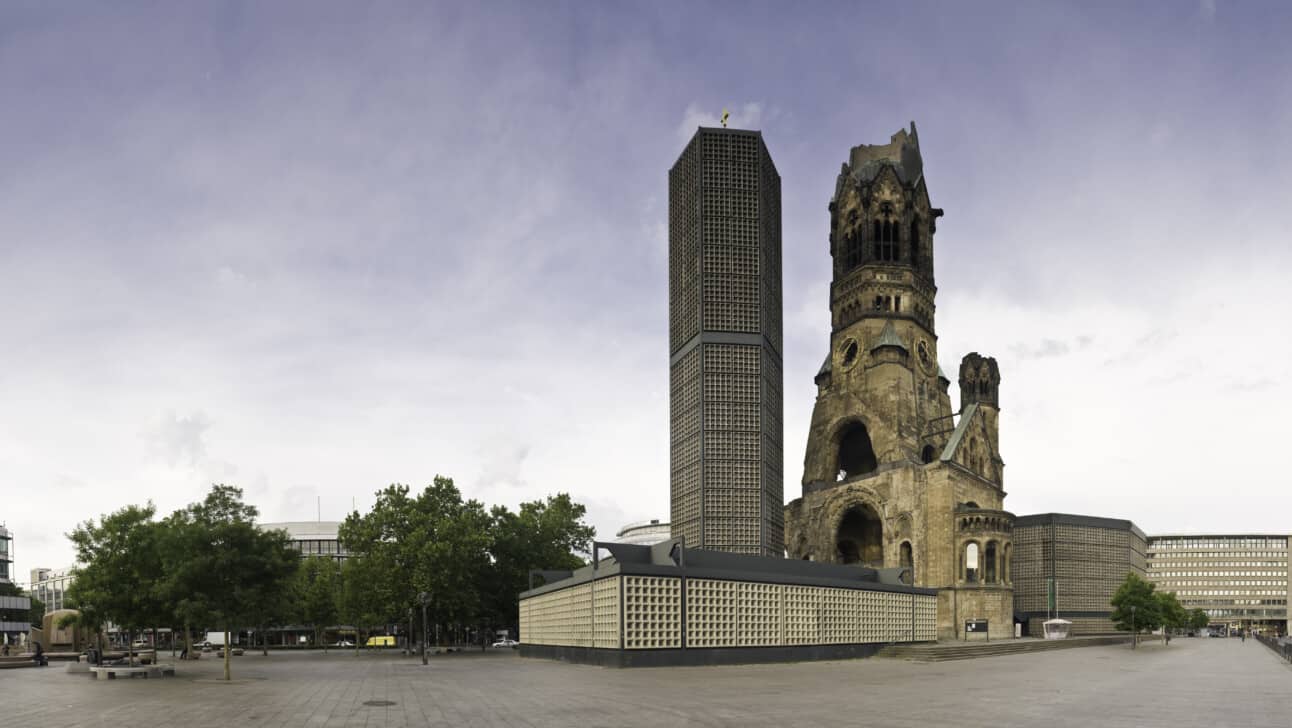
(1071, 519)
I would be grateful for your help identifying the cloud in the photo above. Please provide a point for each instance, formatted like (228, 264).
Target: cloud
(1207, 10)
(748, 115)
(179, 440)
(1046, 348)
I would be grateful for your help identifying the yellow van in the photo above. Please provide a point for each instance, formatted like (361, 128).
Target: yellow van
(383, 640)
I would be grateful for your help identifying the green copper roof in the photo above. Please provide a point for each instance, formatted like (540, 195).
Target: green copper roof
(889, 337)
(962, 426)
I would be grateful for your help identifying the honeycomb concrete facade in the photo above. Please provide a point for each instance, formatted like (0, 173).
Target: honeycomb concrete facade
(1087, 558)
(893, 477)
(665, 604)
(725, 410)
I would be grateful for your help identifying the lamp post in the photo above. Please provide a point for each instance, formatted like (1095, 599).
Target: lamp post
(425, 599)
(1134, 634)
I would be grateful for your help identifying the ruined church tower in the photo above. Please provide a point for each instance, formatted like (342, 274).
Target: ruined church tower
(893, 476)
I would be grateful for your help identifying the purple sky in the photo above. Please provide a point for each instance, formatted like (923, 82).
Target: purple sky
(314, 248)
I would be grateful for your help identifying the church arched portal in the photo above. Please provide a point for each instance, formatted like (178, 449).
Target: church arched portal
(861, 537)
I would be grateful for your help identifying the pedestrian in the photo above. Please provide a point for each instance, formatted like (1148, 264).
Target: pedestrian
(39, 657)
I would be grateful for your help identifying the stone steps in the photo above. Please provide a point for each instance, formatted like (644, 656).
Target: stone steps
(942, 651)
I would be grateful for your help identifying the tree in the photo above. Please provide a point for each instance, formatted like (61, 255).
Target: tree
(229, 569)
(1135, 608)
(1199, 619)
(268, 599)
(364, 598)
(120, 569)
(433, 542)
(543, 534)
(317, 590)
(1172, 614)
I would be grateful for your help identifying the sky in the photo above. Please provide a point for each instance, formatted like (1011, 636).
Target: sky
(315, 248)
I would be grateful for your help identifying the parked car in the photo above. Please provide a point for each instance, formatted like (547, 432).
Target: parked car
(237, 651)
(343, 643)
(380, 640)
(504, 643)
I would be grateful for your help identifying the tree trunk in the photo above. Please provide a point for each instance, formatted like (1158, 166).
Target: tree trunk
(264, 641)
(130, 647)
(188, 642)
(319, 638)
(227, 654)
(358, 637)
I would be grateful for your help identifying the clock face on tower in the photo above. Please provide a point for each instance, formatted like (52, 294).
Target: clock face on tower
(927, 363)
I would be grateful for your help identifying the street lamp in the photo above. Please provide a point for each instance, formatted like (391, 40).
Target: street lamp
(1134, 635)
(424, 598)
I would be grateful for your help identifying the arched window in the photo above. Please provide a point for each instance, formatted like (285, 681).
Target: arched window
(927, 454)
(915, 242)
(989, 563)
(908, 561)
(856, 455)
(860, 539)
(971, 562)
(1005, 564)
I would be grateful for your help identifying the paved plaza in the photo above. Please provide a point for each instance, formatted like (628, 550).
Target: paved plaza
(1194, 682)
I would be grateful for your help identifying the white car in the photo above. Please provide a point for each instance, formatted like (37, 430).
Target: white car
(513, 644)
(343, 643)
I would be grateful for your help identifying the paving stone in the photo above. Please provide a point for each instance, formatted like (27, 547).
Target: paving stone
(1193, 682)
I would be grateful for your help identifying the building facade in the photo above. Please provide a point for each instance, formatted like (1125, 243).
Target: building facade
(6, 556)
(1070, 566)
(50, 587)
(670, 605)
(893, 476)
(725, 410)
(644, 533)
(312, 538)
(1240, 580)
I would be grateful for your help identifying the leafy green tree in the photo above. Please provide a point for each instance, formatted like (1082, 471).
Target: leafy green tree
(364, 598)
(227, 568)
(120, 570)
(317, 591)
(1135, 608)
(432, 542)
(185, 585)
(1173, 615)
(268, 600)
(1199, 619)
(543, 534)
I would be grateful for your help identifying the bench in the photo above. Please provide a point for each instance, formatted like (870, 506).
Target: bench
(144, 671)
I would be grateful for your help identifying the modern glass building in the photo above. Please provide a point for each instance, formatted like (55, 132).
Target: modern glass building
(1240, 580)
(50, 587)
(6, 556)
(312, 538)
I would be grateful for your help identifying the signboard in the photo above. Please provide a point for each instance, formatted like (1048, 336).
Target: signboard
(975, 625)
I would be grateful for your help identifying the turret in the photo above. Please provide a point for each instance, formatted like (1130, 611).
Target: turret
(979, 381)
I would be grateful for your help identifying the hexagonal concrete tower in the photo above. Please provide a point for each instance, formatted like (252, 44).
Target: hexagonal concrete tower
(726, 482)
